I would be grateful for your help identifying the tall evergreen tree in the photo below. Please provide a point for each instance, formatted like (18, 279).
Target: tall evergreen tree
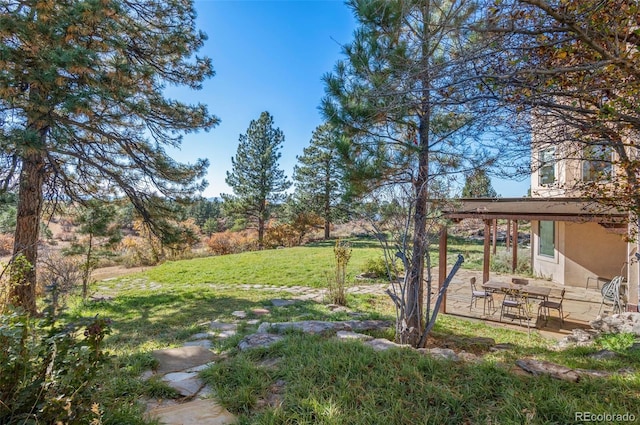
(319, 176)
(477, 184)
(256, 180)
(83, 109)
(408, 99)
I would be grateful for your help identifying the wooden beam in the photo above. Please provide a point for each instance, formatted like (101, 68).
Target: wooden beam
(487, 251)
(494, 236)
(508, 234)
(514, 258)
(442, 266)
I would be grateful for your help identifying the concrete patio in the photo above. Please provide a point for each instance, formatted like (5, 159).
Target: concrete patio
(580, 304)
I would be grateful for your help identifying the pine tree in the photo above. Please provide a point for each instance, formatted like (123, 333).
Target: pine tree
(83, 109)
(257, 182)
(478, 185)
(319, 176)
(408, 99)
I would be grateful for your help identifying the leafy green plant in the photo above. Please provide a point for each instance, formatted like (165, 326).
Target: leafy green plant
(502, 262)
(616, 342)
(380, 268)
(337, 283)
(48, 372)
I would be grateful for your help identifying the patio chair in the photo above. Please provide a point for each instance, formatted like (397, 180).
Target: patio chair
(555, 305)
(516, 299)
(485, 295)
(611, 294)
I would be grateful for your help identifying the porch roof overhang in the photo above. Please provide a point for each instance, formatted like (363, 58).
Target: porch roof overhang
(552, 209)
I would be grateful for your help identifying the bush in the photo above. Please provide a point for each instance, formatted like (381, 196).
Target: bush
(6, 244)
(48, 372)
(231, 242)
(379, 268)
(337, 284)
(501, 262)
(281, 235)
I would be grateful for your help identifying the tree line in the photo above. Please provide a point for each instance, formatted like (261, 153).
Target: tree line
(427, 90)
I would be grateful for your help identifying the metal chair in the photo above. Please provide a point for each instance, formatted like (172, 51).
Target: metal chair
(516, 298)
(548, 305)
(485, 295)
(611, 295)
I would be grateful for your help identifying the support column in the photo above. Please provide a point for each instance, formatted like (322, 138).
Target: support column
(514, 258)
(508, 241)
(442, 266)
(494, 236)
(487, 252)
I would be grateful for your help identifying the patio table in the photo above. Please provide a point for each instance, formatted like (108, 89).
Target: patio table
(540, 292)
(511, 289)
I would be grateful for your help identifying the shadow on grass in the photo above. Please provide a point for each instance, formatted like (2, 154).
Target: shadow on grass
(163, 319)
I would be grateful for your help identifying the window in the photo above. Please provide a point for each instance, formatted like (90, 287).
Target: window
(596, 162)
(547, 241)
(547, 170)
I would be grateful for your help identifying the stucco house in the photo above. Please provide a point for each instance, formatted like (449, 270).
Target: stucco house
(575, 241)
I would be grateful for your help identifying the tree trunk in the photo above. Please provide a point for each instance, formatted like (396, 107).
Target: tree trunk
(327, 200)
(260, 232)
(87, 268)
(30, 199)
(415, 275)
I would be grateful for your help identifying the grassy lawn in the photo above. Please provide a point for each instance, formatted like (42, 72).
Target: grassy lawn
(324, 380)
(300, 266)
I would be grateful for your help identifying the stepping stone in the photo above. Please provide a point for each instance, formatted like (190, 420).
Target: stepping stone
(186, 383)
(253, 321)
(258, 340)
(282, 303)
(199, 343)
(440, 353)
(239, 314)
(221, 326)
(604, 355)
(353, 335)
(177, 359)
(381, 344)
(260, 311)
(199, 368)
(226, 334)
(197, 412)
(202, 335)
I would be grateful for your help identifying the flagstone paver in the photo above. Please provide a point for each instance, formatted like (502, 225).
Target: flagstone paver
(178, 359)
(197, 412)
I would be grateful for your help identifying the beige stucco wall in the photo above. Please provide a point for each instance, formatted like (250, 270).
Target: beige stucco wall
(633, 275)
(582, 250)
(592, 250)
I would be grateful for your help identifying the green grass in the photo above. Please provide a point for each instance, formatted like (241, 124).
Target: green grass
(329, 381)
(304, 266)
(334, 382)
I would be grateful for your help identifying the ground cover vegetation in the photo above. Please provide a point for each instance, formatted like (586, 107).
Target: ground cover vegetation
(329, 381)
(424, 91)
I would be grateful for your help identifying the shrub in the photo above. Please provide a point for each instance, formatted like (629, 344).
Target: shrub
(231, 242)
(379, 268)
(337, 284)
(49, 372)
(501, 262)
(281, 235)
(6, 244)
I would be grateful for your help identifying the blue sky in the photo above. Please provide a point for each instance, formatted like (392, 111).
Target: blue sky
(269, 55)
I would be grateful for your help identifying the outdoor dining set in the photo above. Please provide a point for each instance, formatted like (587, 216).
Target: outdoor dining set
(519, 298)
